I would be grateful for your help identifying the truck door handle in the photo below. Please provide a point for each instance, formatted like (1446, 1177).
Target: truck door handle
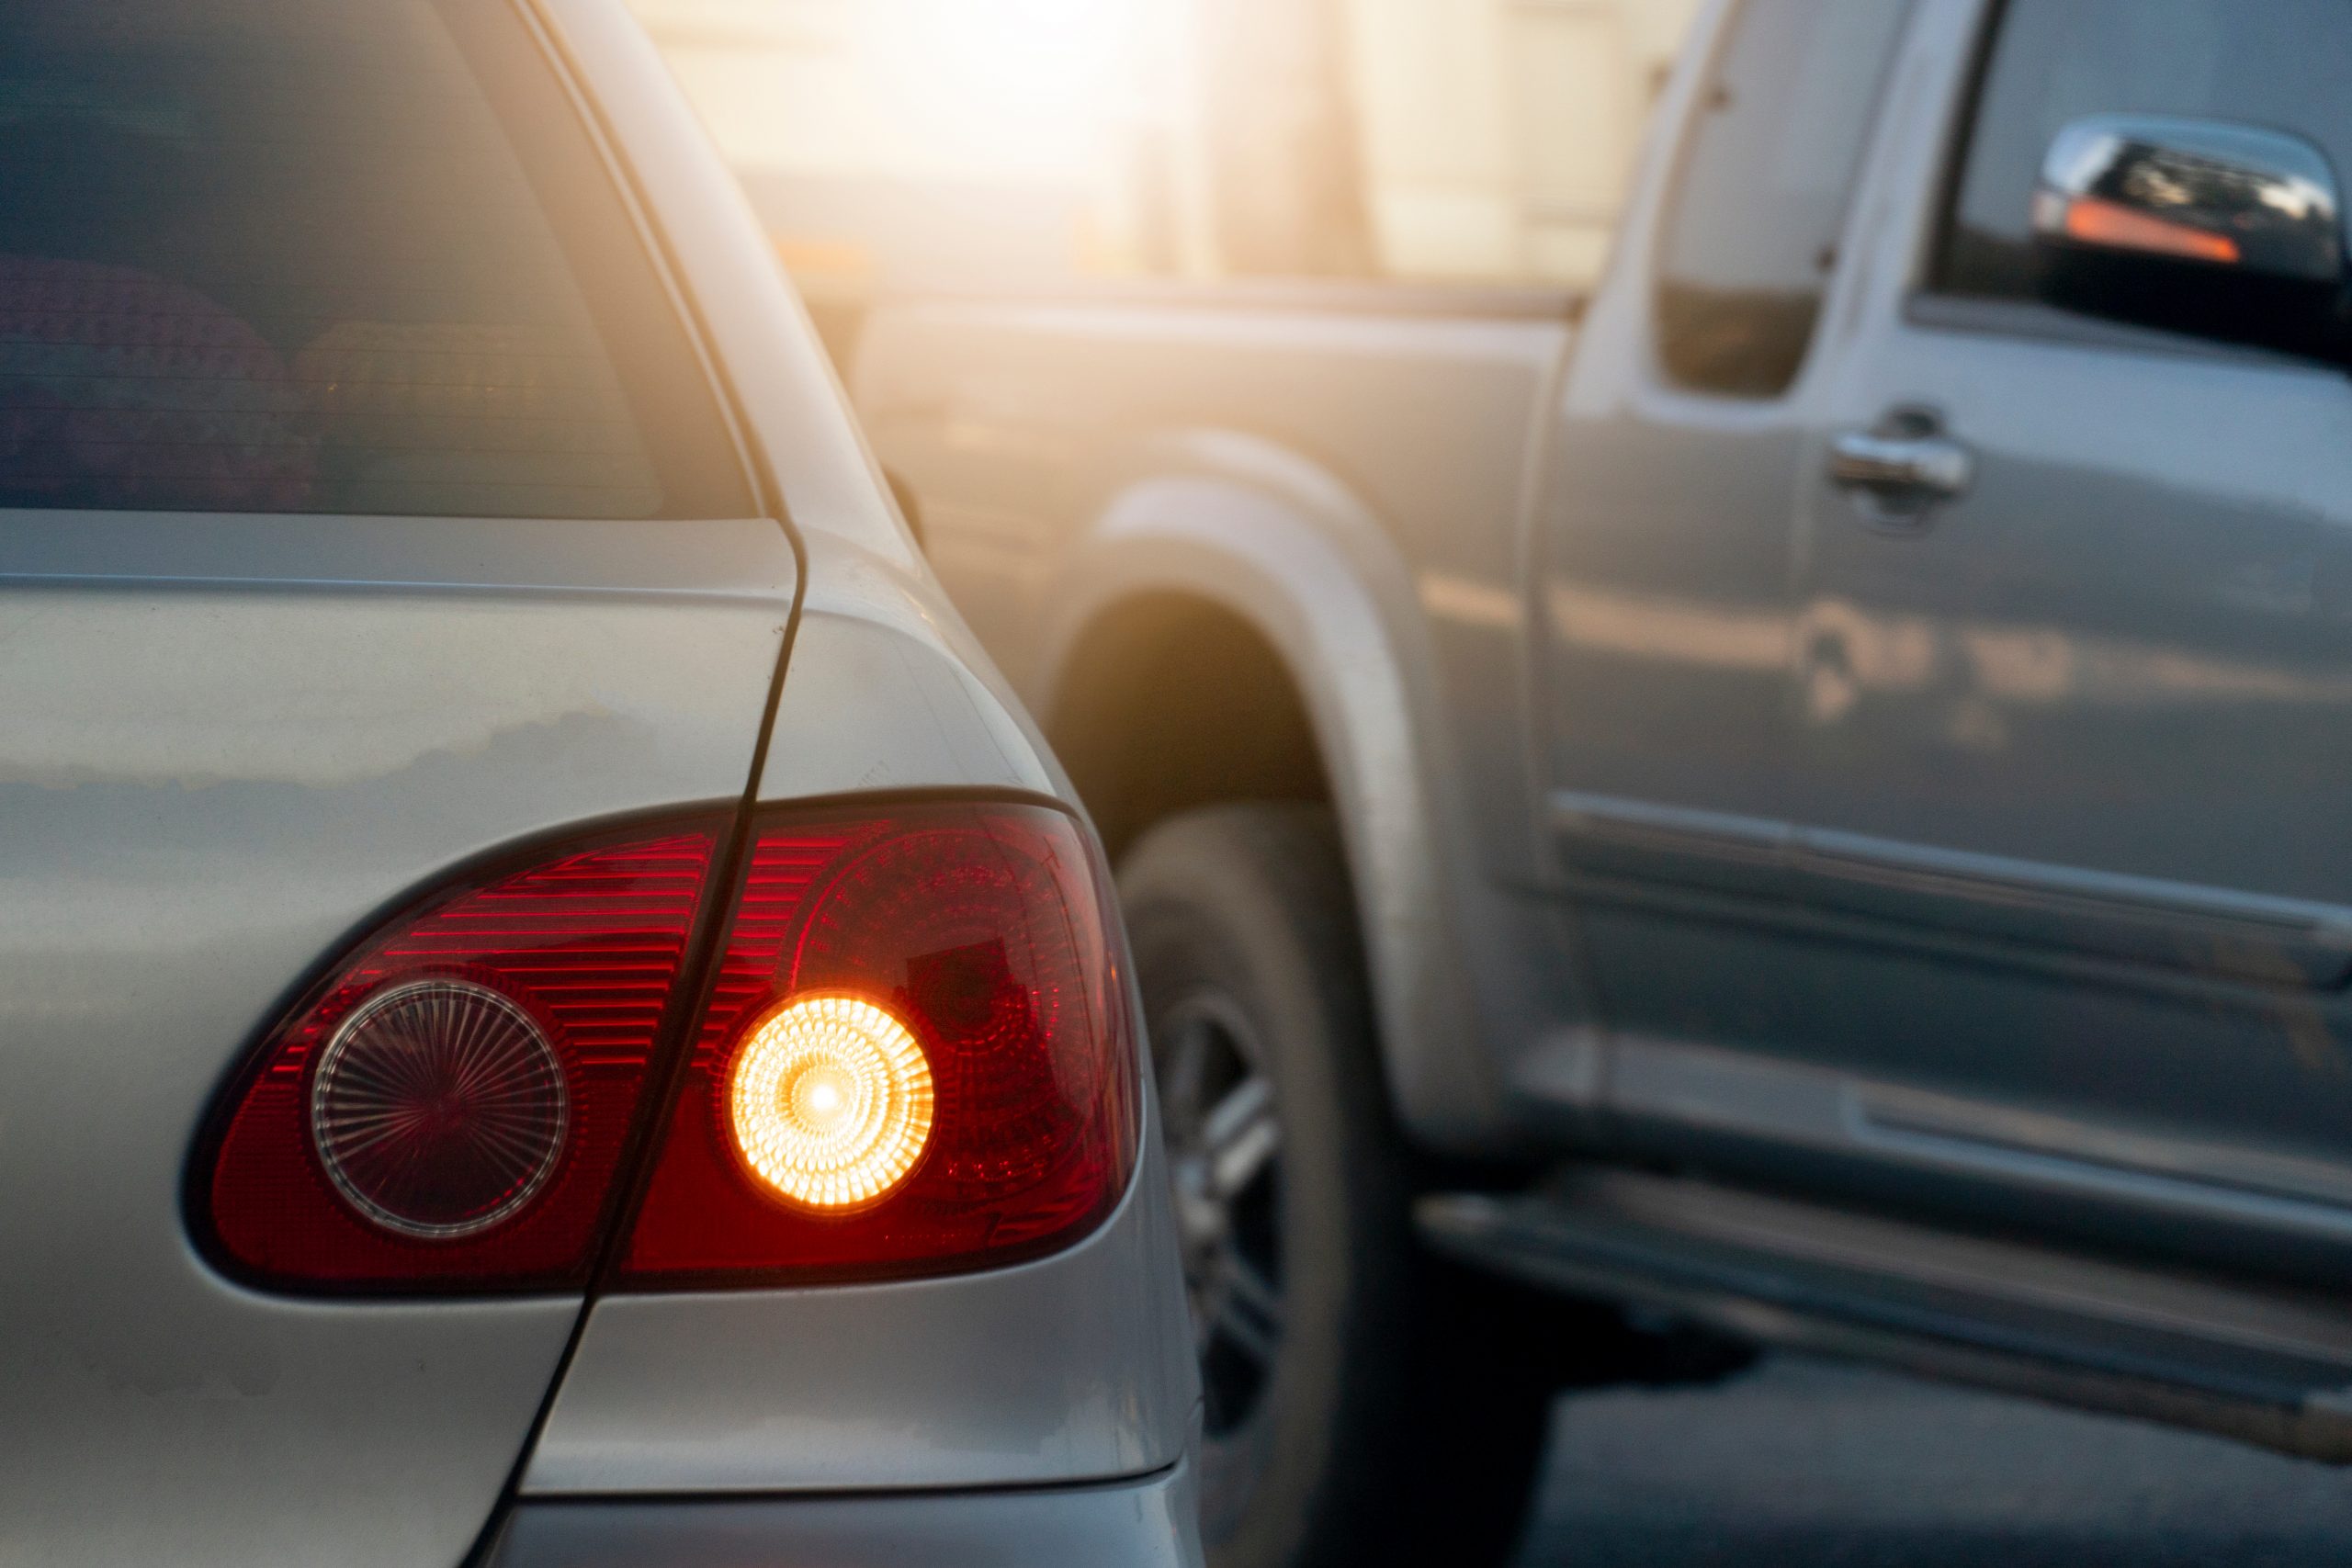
(1901, 467)
(1927, 467)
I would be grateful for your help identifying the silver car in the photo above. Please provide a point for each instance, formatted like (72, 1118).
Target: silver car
(551, 1011)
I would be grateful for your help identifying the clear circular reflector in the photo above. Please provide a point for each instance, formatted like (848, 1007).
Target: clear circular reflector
(438, 1108)
(830, 1102)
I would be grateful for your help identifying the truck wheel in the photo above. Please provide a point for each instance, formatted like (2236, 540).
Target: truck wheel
(1364, 1402)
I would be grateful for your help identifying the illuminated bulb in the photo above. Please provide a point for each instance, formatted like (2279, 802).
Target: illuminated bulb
(830, 1102)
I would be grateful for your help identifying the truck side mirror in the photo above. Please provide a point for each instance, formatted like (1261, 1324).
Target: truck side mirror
(2222, 231)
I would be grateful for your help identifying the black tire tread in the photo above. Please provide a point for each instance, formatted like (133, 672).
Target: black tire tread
(1415, 1437)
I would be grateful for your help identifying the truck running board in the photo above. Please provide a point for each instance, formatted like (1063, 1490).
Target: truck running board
(2270, 1366)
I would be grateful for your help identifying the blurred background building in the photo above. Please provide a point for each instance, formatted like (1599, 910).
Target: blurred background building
(986, 143)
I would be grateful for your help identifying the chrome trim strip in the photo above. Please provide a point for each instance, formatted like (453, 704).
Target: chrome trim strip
(1794, 1105)
(2250, 936)
(1884, 1112)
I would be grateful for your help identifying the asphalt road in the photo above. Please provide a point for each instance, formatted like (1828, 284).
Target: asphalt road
(1809, 1463)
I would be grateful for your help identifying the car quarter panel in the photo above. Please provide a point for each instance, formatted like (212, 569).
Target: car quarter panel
(1076, 1367)
(889, 691)
(1070, 1368)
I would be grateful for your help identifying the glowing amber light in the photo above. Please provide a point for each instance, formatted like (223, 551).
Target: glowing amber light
(2096, 223)
(830, 1102)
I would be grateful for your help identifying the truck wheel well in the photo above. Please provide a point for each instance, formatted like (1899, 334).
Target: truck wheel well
(1173, 703)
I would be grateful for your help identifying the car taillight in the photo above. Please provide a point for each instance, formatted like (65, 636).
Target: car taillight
(448, 1109)
(913, 1058)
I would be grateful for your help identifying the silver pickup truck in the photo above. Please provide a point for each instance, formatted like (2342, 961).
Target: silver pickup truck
(1809, 791)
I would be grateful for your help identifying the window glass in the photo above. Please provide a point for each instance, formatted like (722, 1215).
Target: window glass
(276, 256)
(2281, 63)
(1769, 164)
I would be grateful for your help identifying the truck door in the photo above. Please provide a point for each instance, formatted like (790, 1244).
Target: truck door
(2073, 767)
(1663, 555)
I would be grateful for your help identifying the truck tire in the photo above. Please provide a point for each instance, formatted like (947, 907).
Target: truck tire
(1364, 1402)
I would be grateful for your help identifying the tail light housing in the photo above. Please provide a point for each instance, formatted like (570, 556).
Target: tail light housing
(581, 947)
(982, 931)
(912, 1054)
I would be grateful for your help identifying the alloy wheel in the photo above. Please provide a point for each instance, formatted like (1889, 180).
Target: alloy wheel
(1218, 1114)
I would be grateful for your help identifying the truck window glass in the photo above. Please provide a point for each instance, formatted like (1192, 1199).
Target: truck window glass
(1770, 161)
(2281, 63)
(268, 255)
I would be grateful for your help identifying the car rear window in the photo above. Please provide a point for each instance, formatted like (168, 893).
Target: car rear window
(279, 255)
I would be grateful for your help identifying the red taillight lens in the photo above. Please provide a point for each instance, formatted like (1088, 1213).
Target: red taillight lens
(448, 1109)
(439, 1108)
(980, 930)
(914, 1058)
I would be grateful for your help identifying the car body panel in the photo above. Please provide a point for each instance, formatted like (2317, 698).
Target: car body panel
(2036, 914)
(1072, 1367)
(237, 742)
(891, 692)
(234, 743)
(2113, 737)
(1250, 542)
(1149, 1523)
(1660, 560)
(1075, 1366)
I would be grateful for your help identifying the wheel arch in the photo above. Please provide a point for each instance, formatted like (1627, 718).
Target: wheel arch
(1236, 599)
